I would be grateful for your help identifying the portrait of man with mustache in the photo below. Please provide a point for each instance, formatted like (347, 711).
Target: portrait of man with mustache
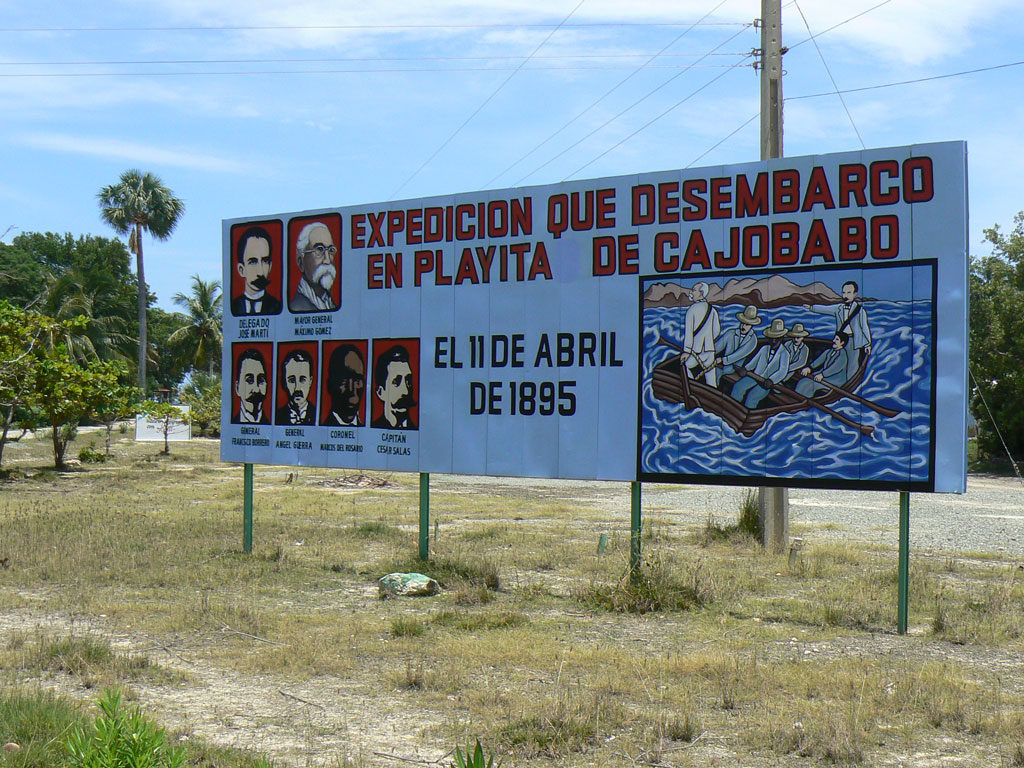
(394, 385)
(317, 265)
(251, 386)
(254, 257)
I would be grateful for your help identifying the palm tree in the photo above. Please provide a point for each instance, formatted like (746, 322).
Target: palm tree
(75, 293)
(140, 202)
(203, 330)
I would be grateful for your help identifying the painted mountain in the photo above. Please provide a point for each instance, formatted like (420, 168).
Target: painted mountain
(774, 291)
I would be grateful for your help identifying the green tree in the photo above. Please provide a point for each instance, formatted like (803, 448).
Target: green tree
(202, 333)
(168, 360)
(997, 342)
(78, 293)
(202, 395)
(119, 401)
(139, 202)
(67, 391)
(165, 416)
(23, 344)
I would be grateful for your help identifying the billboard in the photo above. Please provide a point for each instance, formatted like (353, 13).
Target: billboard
(797, 322)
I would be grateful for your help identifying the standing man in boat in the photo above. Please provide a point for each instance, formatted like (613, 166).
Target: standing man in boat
(769, 366)
(702, 327)
(851, 319)
(798, 351)
(832, 366)
(735, 345)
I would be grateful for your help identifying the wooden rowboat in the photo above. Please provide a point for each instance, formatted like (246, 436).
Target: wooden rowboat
(669, 385)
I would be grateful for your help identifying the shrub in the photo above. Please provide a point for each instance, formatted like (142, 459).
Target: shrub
(121, 738)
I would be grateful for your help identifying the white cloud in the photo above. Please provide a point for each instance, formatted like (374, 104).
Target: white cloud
(130, 151)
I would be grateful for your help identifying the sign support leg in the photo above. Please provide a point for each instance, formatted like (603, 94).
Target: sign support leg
(634, 531)
(904, 566)
(247, 510)
(424, 516)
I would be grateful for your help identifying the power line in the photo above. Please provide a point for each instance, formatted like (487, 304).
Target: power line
(715, 146)
(331, 60)
(328, 27)
(830, 77)
(652, 121)
(836, 26)
(353, 70)
(487, 100)
(908, 82)
(607, 93)
(620, 114)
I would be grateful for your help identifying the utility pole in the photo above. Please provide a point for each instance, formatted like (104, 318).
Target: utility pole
(772, 503)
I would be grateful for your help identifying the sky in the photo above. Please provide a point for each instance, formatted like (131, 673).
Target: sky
(273, 107)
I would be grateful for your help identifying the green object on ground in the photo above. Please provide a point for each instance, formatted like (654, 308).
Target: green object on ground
(407, 585)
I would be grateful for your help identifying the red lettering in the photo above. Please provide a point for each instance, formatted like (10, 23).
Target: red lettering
(885, 229)
(357, 226)
(393, 270)
(540, 265)
(374, 270)
(414, 224)
(424, 265)
(497, 219)
(464, 231)
(918, 184)
(696, 252)
(853, 179)
(784, 187)
(759, 258)
(467, 268)
(581, 216)
(604, 256)
(605, 208)
(817, 190)
(396, 223)
(629, 254)
(668, 202)
(853, 244)
(643, 204)
(785, 237)
(666, 262)
(433, 225)
(817, 245)
(376, 225)
(891, 194)
(752, 202)
(721, 198)
(698, 206)
(732, 258)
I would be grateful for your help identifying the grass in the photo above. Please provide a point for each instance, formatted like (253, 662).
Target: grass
(543, 648)
(40, 723)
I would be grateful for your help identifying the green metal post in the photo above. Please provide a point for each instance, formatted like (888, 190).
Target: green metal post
(634, 531)
(904, 572)
(424, 515)
(247, 511)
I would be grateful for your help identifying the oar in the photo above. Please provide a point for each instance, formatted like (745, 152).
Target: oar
(865, 429)
(684, 379)
(862, 400)
(703, 369)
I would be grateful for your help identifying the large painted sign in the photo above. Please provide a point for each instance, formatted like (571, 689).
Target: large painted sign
(799, 322)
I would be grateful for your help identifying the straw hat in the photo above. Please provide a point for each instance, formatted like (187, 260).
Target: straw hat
(749, 315)
(776, 330)
(797, 331)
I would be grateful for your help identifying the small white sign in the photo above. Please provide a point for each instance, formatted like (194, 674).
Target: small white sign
(153, 431)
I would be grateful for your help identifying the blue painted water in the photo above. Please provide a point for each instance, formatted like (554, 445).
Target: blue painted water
(810, 444)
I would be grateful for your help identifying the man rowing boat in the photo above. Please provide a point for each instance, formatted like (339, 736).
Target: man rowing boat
(770, 364)
(832, 366)
(735, 345)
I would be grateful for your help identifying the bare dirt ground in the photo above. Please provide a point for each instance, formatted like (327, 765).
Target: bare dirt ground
(338, 721)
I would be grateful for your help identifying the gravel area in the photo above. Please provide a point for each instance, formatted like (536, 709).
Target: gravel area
(988, 518)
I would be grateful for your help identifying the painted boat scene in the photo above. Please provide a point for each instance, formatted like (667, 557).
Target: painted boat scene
(818, 375)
